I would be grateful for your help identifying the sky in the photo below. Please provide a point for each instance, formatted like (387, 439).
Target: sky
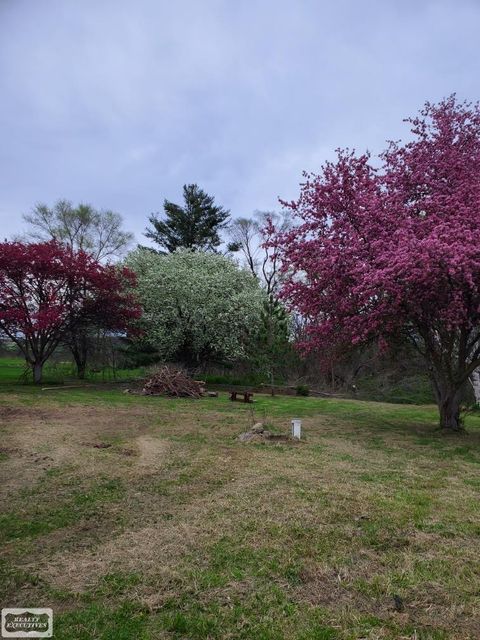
(118, 103)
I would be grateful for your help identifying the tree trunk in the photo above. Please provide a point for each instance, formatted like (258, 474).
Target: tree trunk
(81, 369)
(79, 347)
(475, 381)
(37, 368)
(449, 407)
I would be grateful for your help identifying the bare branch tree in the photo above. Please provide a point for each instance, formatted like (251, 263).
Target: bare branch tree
(98, 233)
(244, 235)
(248, 237)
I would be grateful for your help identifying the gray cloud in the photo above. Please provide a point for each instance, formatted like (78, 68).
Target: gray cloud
(120, 102)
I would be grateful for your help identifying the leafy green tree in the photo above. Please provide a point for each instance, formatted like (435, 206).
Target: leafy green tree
(273, 349)
(198, 307)
(195, 225)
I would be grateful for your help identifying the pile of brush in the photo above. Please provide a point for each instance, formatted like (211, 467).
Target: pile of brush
(168, 381)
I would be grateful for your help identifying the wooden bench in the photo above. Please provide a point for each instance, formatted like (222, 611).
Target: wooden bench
(247, 396)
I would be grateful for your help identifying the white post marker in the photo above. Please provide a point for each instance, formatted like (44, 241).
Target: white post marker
(297, 428)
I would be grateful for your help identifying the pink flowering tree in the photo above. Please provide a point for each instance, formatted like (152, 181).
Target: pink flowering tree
(47, 290)
(394, 251)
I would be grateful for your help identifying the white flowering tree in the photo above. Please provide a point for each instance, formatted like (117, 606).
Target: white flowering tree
(198, 307)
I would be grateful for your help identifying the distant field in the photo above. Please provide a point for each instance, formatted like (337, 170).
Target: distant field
(14, 370)
(413, 390)
(141, 518)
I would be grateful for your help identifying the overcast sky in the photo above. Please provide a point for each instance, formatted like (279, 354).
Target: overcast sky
(120, 102)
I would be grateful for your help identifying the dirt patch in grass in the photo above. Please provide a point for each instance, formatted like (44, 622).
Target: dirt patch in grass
(10, 451)
(153, 452)
(43, 439)
(9, 413)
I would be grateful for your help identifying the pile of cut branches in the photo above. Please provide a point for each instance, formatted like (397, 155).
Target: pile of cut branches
(168, 381)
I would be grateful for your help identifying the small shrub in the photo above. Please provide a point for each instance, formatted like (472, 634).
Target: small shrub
(302, 390)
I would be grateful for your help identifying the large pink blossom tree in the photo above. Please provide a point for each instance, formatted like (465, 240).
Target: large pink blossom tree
(394, 250)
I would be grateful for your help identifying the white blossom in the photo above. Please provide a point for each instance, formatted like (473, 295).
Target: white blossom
(197, 299)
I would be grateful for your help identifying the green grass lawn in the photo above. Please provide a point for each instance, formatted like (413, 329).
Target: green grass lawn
(143, 518)
(13, 370)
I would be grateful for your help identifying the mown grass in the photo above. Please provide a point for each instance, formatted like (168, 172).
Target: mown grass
(14, 370)
(144, 518)
(39, 516)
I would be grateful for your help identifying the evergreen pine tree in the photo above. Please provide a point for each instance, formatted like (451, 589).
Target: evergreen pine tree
(273, 349)
(195, 225)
